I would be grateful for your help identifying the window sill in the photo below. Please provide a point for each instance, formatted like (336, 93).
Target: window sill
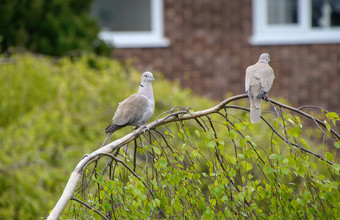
(313, 37)
(134, 40)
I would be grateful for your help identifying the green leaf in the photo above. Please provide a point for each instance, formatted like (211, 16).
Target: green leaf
(244, 214)
(232, 134)
(184, 147)
(247, 165)
(336, 167)
(213, 202)
(198, 133)
(304, 143)
(233, 159)
(107, 206)
(162, 161)
(156, 149)
(274, 142)
(297, 131)
(155, 142)
(212, 144)
(337, 144)
(157, 202)
(175, 179)
(239, 126)
(273, 156)
(137, 192)
(154, 183)
(248, 138)
(297, 119)
(241, 156)
(204, 174)
(285, 170)
(328, 126)
(243, 142)
(332, 115)
(294, 203)
(194, 153)
(329, 156)
(100, 179)
(291, 121)
(181, 135)
(232, 172)
(225, 198)
(182, 191)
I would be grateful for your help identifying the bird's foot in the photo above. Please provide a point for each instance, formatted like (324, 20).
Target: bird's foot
(262, 95)
(144, 127)
(265, 97)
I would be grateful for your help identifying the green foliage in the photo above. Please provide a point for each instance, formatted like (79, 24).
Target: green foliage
(55, 111)
(51, 27)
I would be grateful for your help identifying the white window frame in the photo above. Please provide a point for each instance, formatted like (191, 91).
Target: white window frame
(140, 39)
(283, 34)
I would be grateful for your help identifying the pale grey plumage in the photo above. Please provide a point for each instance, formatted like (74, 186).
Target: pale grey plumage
(135, 110)
(259, 80)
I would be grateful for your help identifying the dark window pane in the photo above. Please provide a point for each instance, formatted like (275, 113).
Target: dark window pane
(282, 11)
(325, 13)
(123, 15)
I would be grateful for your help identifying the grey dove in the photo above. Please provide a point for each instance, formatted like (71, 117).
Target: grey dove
(259, 80)
(135, 110)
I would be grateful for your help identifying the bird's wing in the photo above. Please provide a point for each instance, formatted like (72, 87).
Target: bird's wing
(249, 76)
(131, 110)
(266, 77)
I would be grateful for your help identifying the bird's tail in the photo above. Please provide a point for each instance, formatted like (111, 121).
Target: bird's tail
(110, 130)
(106, 139)
(255, 110)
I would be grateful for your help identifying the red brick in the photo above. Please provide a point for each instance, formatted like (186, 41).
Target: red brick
(209, 41)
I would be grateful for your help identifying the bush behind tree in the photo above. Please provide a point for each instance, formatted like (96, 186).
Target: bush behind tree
(55, 111)
(50, 27)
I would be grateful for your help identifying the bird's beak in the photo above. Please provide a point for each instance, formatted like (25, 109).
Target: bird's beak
(153, 79)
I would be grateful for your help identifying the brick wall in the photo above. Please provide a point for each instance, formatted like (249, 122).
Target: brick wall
(209, 53)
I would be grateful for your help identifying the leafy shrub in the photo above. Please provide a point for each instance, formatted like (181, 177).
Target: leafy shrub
(55, 111)
(49, 27)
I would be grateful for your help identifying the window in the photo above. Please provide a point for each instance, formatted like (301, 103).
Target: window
(295, 22)
(130, 23)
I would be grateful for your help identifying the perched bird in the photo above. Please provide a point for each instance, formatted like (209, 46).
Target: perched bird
(259, 80)
(135, 110)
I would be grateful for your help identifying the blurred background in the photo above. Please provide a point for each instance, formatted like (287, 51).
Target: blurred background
(56, 99)
(207, 45)
(204, 45)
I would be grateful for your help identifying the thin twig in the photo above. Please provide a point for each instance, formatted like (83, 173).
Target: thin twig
(136, 175)
(284, 139)
(89, 207)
